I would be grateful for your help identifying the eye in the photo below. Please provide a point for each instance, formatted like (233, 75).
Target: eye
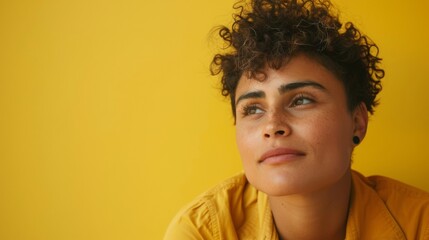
(251, 110)
(301, 100)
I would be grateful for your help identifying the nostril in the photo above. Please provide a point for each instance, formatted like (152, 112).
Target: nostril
(280, 132)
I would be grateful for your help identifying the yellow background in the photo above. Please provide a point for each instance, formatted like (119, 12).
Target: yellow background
(110, 122)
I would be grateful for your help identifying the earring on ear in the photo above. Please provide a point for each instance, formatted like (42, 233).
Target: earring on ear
(356, 140)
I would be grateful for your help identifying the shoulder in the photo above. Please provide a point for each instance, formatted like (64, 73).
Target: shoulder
(388, 188)
(408, 205)
(219, 207)
(391, 190)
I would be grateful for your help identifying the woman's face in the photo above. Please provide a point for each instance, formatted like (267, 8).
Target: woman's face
(294, 131)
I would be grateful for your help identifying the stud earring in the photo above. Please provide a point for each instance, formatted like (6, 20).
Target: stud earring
(356, 140)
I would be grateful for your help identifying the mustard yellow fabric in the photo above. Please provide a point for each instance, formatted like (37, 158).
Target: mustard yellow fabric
(380, 208)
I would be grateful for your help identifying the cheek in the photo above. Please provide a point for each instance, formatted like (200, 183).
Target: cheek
(331, 136)
(326, 130)
(247, 140)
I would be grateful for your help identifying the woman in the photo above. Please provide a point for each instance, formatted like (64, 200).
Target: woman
(301, 85)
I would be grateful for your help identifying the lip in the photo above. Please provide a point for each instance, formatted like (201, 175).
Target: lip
(280, 155)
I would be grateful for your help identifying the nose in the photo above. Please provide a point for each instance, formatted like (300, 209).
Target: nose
(277, 133)
(276, 126)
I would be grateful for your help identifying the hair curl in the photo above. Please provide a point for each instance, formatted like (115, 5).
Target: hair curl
(270, 32)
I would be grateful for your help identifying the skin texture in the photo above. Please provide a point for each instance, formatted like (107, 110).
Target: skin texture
(300, 112)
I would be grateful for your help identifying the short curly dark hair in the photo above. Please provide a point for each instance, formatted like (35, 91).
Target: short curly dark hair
(271, 32)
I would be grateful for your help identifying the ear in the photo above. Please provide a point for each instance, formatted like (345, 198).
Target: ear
(360, 121)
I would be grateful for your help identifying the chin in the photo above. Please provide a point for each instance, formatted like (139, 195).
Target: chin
(276, 190)
(279, 186)
(286, 185)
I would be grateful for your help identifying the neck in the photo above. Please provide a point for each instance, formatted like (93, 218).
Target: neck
(315, 215)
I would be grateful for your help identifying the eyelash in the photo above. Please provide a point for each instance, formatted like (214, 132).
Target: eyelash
(301, 97)
(246, 110)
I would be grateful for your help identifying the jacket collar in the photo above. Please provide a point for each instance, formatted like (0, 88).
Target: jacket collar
(369, 217)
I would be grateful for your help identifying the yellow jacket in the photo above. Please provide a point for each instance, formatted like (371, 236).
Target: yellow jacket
(380, 208)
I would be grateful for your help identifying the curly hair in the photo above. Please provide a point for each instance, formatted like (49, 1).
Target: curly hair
(271, 32)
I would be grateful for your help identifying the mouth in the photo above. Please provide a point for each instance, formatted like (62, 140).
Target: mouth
(280, 155)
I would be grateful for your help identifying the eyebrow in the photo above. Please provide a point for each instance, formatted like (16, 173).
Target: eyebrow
(282, 89)
(255, 94)
(295, 85)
